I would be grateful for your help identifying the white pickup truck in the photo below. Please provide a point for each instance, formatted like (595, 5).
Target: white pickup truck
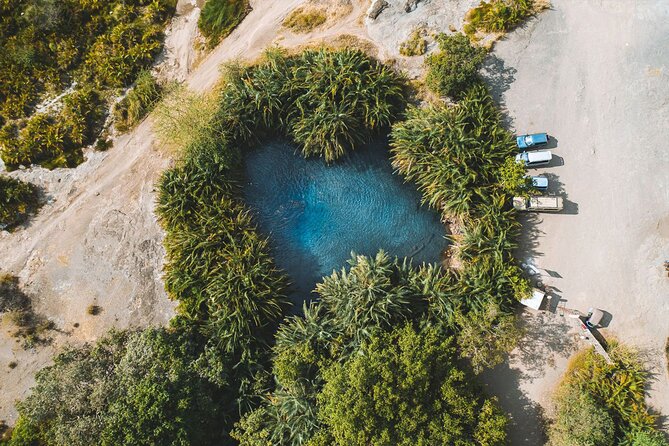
(538, 204)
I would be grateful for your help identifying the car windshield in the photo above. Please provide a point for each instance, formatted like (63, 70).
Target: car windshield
(528, 140)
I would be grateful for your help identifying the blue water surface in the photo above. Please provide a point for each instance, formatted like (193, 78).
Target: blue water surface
(317, 214)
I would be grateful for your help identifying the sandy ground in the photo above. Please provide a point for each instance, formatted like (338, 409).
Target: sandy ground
(595, 75)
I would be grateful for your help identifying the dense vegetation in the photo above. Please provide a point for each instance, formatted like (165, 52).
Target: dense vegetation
(328, 102)
(219, 17)
(18, 200)
(48, 45)
(600, 404)
(130, 388)
(305, 381)
(139, 101)
(381, 324)
(452, 70)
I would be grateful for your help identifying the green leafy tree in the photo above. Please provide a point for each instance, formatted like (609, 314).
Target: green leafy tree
(486, 337)
(406, 389)
(133, 388)
(452, 70)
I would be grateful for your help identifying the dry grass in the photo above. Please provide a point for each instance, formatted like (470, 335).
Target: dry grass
(305, 19)
(415, 45)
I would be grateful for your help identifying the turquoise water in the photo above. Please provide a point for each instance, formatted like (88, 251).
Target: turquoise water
(316, 214)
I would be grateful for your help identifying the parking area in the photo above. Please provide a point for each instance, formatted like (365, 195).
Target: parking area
(595, 76)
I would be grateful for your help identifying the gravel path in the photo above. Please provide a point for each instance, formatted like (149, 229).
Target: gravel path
(595, 75)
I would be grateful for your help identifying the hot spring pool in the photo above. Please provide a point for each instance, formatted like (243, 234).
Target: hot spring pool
(316, 214)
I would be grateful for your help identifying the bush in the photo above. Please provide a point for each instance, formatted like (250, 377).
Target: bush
(415, 45)
(616, 388)
(55, 140)
(138, 102)
(304, 20)
(18, 200)
(219, 17)
(498, 15)
(454, 69)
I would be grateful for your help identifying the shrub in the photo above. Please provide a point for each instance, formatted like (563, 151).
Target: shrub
(11, 296)
(415, 45)
(138, 102)
(55, 140)
(580, 420)
(617, 388)
(82, 116)
(452, 70)
(18, 200)
(93, 310)
(219, 17)
(499, 15)
(304, 20)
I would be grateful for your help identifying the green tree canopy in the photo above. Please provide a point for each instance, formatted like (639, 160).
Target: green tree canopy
(130, 388)
(452, 70)
(406, 389)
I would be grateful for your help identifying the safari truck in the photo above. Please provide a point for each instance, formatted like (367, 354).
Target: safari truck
(538, 204)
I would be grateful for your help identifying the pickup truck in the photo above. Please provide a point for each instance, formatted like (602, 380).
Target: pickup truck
(538, 204)
(525, 142)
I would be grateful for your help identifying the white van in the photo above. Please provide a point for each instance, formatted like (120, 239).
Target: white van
(535, 159)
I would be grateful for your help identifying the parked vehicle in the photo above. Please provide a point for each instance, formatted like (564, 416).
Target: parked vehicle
(540, 182)
(535, 159)
(538, 204)
(533, 141)
(594, 317)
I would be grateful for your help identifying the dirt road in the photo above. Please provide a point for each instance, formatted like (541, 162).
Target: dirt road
(595, 75)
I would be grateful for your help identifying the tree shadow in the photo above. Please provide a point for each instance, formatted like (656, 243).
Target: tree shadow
(549, 336)
(528, 241)
(498, 76)
(527, 418)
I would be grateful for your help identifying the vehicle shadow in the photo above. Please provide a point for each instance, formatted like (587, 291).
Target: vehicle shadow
(556, 187)
(552, 142)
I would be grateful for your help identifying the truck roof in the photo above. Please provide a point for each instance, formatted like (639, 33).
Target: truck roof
(539, 155)
(546, 202)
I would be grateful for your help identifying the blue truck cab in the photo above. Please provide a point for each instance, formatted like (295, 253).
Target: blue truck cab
(526, 142)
